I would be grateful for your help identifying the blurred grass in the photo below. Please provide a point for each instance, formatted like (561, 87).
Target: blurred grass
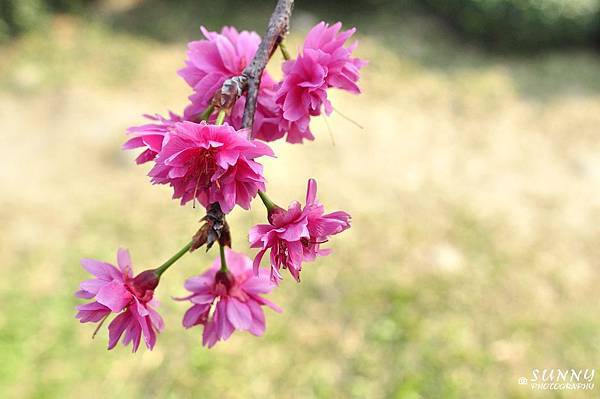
(473, 257)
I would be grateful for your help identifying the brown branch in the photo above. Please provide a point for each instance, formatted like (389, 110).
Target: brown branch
(276, 31)
(249, 80)
(216, 227)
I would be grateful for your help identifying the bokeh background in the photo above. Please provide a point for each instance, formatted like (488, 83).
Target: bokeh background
(474, 255)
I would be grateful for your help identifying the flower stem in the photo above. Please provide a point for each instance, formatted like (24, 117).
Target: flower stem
(206, 113)
(162, 268)
(266, 200)
(222, 255)
(221, 117)
(284, 51)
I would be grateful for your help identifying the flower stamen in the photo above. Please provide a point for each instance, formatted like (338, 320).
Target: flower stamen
(100, 325)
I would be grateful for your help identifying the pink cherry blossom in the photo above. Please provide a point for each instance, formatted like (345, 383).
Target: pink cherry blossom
(117, 291)
(295, 235)
(212, 164)
(328, 44)
(223, 302)
(222, 56)
(323, 63)
(150, 136)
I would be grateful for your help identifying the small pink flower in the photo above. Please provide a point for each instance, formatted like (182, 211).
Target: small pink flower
(323, 63)
(295, 235)
(212, 164)
(222, 56)
(328, 43)
(150, 136)
(117, 291)
(228, 301)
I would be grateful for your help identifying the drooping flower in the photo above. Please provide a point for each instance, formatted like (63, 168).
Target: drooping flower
(225, 301)
(150, 136)
(295, 235)
(323, 63)
(222, 56)
(118, 291)
(212, 164)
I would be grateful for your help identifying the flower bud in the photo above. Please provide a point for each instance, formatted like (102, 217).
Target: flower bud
(143, 284)
(230, 91)
(274, 213)
(226, 278)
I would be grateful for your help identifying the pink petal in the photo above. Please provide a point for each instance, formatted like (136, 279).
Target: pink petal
(209, 335)
(92, 286)
(294, 232)
(114, 296)
(311, 192)
(124, 261)
(155, 318)
(258, 319)
(83, 294)
(197, 314)
(258, 285)
(116, 328)
(91, 312)
(200, 284)
(257, 259)
(239, 314)
(202, 299)
(102, 270)
(257, 234)
(224, 327)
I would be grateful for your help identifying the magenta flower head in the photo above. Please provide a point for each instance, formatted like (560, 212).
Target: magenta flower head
(221, 56)
(150, 136)
(295, 235)
(327, 44)
(225, 301)
(118, 291)
(323, 63)
(212, 164)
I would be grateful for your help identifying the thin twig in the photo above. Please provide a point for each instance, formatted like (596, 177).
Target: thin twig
(329, 130)
(249, 81)
(355, 123)
(276, 31)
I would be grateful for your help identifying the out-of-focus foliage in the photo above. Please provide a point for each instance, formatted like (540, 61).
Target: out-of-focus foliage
(523, 24)
(474, 190)
(506, 24)
(68, 5)
(19, 16)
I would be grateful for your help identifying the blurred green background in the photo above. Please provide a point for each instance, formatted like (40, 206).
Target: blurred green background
(474, 254)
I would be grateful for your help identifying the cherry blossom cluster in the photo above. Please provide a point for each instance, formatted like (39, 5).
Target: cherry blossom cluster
(206, 156)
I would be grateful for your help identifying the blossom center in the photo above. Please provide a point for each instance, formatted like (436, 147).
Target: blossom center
(282, 254)
(144, 295)
(203, 167)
